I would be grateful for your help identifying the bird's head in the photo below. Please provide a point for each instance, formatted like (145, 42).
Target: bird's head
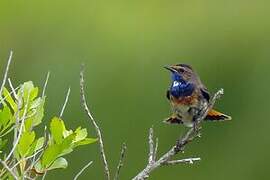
(180, 72)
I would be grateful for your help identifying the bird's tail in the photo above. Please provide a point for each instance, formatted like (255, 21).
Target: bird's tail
(214, 115)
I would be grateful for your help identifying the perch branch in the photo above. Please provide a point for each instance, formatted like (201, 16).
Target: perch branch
(100, 140)
(180, 144)
(81, 171)
(121, 159)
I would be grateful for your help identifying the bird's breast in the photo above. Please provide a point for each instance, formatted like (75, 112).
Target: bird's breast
(185, 100)
(181, 89)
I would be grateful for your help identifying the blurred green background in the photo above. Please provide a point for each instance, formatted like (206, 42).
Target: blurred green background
(124, 45)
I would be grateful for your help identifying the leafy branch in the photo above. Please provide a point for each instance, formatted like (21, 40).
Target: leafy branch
(30, 156)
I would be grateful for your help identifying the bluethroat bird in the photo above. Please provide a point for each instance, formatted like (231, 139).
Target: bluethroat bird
(187, 96)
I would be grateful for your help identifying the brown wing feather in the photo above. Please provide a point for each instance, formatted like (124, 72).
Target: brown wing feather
(214, 115)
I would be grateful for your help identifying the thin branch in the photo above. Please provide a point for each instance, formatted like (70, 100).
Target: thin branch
(181, 161)
(181, 142)
(6, 72)
(44, 175)
(9, 170)
(82, 170)
(45, 84)
(65, 103)
(121, 159)
(16, 97)
(16, 141)
(13, 89)
(151, 146)
(156, 149)
(100, 140)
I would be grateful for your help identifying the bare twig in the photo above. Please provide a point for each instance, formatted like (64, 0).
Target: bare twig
(6, 72)
(100, 140)
(65, 103)
(181, 142)
(45, 84)
(151, 146)
(82, 170)
(121, 159)
(156, 149)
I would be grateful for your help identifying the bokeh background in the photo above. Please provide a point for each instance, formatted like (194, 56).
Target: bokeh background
(124, 45)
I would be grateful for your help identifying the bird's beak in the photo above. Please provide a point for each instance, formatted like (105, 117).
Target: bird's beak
(170, 68)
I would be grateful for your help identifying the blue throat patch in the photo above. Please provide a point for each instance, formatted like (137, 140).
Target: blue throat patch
(179, 87)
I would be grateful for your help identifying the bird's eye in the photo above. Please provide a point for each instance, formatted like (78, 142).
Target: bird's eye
(181, 70)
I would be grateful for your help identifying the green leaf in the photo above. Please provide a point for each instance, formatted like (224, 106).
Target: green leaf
(6, 119)
(9, 99)
(33, 93)
(38, 167)
(38, 105)
(67, 142)
(3, 143)
(81, 137)
(40, 143)
(57, 128)
(26, 140)
(80, 134)
(36, 145)
(58, 163)
(50, 154)
(86, 141)
(28, 124)
(27, 88)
